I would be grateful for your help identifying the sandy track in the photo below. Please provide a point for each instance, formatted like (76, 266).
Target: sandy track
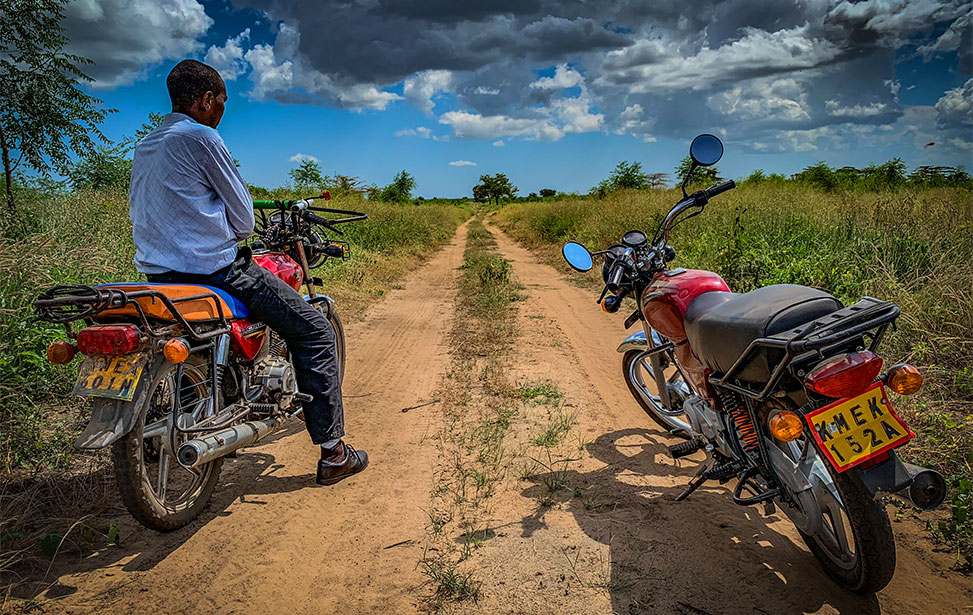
(272, 543)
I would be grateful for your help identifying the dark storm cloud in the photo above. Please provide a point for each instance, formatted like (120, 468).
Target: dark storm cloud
(787, 75)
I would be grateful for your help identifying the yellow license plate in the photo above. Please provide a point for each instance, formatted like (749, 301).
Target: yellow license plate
(855, 430)
(111, 377)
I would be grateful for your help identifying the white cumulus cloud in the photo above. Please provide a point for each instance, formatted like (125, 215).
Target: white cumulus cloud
(462, 163)
(228, 59)
(302, 157)
(422, 87)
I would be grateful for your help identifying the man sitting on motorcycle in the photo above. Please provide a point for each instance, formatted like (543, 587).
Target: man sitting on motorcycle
(189, 208)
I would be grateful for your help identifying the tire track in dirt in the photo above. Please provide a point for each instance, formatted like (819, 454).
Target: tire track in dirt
(633, 545)
(273, 542)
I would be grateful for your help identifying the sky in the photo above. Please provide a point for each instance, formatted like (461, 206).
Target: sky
(554, 93)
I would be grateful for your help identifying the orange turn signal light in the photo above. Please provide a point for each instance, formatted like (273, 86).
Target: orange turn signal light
(786, 426)
(176, 350)
(61, 352)
(904, 379)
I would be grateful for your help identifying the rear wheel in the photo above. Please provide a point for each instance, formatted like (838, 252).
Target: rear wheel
(339, 342)
(639, 373)
(854, 541)
(156, 490)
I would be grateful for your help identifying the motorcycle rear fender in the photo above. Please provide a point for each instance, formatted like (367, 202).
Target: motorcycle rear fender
(111, 419)
(637, 341)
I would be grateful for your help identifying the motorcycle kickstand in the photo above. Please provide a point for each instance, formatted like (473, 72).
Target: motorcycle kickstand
(694, 484)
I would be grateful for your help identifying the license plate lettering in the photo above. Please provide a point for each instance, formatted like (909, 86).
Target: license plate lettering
(854, 430)
(111, 377)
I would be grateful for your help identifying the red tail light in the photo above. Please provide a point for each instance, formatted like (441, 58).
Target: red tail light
(845, 375)
(109, 339)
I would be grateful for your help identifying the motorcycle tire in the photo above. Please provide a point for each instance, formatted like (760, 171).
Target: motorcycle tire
(131, 459)
(874, 542)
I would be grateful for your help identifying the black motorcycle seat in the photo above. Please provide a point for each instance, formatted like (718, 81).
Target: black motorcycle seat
(720, 325)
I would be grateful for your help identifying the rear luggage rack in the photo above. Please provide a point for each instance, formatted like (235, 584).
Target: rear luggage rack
(64, 304)
(814, 338)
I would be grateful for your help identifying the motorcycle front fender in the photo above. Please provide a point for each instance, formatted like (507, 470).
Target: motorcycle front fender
(112, 419)
(637, 341)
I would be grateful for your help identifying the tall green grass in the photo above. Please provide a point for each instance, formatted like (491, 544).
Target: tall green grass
(86, 238)
(911, 247)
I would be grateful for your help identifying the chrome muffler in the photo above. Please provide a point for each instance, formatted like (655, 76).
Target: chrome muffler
(926, 490)
(204, 449)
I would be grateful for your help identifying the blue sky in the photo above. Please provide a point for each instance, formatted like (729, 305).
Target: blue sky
(552, 93)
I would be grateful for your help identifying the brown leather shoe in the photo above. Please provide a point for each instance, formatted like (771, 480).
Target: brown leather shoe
(354, 462)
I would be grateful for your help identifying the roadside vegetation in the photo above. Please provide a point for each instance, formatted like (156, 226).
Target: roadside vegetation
(909, 241)
(479, 407)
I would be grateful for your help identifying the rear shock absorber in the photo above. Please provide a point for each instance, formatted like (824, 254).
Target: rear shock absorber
(741, 418)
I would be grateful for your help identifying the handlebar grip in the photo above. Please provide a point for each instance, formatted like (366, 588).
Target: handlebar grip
(316, 219)
(265, 205)
(713, 191)
(615, 277)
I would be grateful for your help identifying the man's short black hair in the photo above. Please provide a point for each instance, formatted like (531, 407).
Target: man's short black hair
(189, 80)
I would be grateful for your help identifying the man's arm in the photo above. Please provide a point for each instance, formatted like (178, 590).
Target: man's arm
(225, 179)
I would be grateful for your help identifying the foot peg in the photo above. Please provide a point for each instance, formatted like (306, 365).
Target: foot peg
(684, 448)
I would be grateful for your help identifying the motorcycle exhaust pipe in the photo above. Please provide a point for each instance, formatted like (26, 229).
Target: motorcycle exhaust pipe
(926, 490)
(204, 449)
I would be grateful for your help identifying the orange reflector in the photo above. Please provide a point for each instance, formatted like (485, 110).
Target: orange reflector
(604, 305)
(904, 379)
(176, 351)
(786, 426)
(60, 352)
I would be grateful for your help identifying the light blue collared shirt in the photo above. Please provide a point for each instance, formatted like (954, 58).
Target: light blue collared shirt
(188, 203)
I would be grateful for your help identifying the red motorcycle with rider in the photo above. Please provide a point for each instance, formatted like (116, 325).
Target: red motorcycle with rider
(179, 376)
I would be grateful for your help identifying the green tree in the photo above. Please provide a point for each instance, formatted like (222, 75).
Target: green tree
(546, 192)
(102, 167)
(307, 175)
(44, 116)
(107, 166)
(627, 175)
(400, 190)
(707, 175)
(494, 188)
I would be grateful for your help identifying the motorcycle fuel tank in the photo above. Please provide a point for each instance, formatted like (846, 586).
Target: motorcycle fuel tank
(665, 301)
(282, 266)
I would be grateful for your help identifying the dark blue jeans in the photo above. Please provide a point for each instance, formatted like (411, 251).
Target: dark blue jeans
(309, 336)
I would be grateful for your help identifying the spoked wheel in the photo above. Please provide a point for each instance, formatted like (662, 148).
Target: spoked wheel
(853, 540)
(639, 372)
(156, 490)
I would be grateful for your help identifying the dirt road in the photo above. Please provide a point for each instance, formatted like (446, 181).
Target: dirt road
(611, 541)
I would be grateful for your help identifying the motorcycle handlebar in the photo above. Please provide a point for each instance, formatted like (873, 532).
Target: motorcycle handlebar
(714, 190)
(615, 277)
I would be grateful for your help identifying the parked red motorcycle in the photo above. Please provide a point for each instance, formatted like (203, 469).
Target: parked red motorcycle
(179, 377)
(780, 387)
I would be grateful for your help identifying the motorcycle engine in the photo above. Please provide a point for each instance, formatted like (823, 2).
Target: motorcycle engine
(276, 376)
(705, 421)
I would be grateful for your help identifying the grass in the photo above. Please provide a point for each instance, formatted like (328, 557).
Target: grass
(541, 393)
(911, 247)
(559, 423)
(479, 409)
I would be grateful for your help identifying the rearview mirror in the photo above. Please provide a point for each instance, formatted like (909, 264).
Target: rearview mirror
(706, 150)
(577, 256)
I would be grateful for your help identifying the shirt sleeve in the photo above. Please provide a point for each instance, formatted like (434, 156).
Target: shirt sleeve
(226, 180)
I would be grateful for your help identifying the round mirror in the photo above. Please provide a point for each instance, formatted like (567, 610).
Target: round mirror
(706, 150)
(577, 256)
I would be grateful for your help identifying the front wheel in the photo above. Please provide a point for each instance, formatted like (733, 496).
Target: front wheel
(638, 372)
(161, 494)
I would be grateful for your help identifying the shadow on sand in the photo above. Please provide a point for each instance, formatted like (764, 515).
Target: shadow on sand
(703, 556)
